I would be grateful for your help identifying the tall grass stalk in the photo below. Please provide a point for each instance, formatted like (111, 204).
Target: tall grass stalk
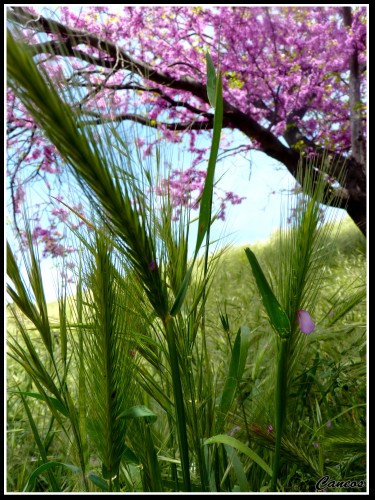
(303, 248)
(127, 215)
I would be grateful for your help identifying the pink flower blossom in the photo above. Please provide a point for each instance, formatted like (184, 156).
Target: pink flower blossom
(152, 266)
(18, 199)
(234, 430)
(305, 322)
(61, 214)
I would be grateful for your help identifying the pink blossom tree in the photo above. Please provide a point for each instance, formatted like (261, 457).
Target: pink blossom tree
(294, 83)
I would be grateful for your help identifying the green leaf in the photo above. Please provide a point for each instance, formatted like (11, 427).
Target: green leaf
(244, 347)
(106, 473)
(235, 372)
(276, 314)
(41, 449)
(211, 80)
(206, 199)
(49, 465)
(57, 405)
(180, 297)
(98, 481)
(130, 457)
(139, 412)
(231, 441)
(237, 467)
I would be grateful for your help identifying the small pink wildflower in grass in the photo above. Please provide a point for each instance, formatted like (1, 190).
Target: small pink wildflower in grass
(305, 322)
(234, 430)
(152, 266)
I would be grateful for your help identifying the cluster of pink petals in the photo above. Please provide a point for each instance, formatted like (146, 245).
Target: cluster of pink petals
(276, 56)
(306, 324)
(184, 189)
(234, 199)
(51, 239)
(61, 214)
(19, 197)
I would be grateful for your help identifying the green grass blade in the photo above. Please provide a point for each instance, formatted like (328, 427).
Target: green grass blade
(281, 398)
(180, 297)
(139, 412)
(237, 467)
(179, 401)
(55, 403)
(244, 347)
(205, 210)
(206, 200)
(211, 80)
(40, 445)
(276, 314)
(235, 372)
(20, 296)
(130, 457)
(47, 467)
(98, 481)
(231, 441)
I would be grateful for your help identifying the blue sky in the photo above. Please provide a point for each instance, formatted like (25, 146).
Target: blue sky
(263, 181)
(254, 220)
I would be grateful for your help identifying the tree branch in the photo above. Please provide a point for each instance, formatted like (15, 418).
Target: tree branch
(155, 90)
(233, 117)
(179, 126)
(356, 128)
(120, 59)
